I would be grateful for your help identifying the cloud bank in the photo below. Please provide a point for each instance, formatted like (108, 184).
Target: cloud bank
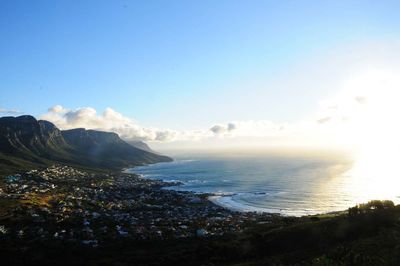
(109, 120)
(128, 129)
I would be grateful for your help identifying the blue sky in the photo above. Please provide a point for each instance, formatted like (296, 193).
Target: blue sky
(180, 64)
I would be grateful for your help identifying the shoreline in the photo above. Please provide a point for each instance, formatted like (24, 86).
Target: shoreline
(61, 203)
(95, 217)
(225, 200)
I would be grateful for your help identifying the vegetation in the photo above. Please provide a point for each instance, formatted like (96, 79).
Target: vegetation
(368, 236)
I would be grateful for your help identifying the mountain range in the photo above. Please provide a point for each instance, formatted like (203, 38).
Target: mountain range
(27, 143)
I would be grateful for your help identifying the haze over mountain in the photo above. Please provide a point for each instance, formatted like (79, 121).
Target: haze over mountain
(29, 143)
(141, 145)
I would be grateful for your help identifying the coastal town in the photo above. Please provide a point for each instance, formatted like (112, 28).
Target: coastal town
(61, 203)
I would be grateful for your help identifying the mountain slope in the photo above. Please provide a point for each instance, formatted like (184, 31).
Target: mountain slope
(141, 145)
(25, 137)
(107, 149)
(26, 143)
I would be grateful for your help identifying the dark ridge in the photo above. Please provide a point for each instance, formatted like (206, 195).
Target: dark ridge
(26, 142)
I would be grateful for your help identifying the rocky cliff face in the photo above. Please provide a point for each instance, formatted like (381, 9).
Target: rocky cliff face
(24, 140)
(89, 138)
(25, 135)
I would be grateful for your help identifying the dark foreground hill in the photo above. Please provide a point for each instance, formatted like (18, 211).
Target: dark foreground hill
(27, 143)
(370, 236)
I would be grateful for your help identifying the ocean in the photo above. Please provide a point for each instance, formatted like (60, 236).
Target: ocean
(290, 185)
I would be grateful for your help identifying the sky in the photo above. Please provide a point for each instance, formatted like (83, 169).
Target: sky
(195, 74)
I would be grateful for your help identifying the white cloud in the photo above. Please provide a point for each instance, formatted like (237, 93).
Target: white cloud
(58, 109)
(218, 129)
(129, 129)
(224, 129)
(10, 111)
(109, 120)
(219, 135)
(324, 120)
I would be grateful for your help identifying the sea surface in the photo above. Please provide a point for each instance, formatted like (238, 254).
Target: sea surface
(290, 185)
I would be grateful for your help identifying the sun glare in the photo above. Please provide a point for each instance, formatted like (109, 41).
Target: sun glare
(372, 128)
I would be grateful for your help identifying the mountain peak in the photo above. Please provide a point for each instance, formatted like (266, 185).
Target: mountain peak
(22, 118)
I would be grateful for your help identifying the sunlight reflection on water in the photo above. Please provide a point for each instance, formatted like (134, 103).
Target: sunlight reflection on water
(288, 185)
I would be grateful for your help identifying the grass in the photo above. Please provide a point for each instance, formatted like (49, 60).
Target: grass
(40, 200)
